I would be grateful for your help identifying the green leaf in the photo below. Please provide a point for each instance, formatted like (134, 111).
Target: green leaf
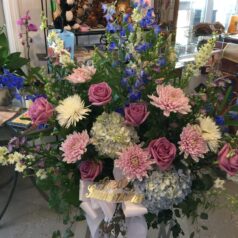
(68, 233)
(14, 61)
(192, 235)
(204, 228)
(204, 216)
(231, 123)
(56, 234)
(225, 100)
(176, 230)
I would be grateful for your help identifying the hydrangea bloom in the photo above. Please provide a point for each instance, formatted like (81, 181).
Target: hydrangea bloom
(134, 162)
(110, 134)
(162, 190)
(171, 99)
(74, 146)
(192, 143)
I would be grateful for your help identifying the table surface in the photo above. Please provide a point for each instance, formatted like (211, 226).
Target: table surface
(6, 133)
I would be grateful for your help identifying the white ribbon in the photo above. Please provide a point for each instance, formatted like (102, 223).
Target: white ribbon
(96, 211)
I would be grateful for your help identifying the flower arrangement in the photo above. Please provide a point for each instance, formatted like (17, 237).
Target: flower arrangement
(129, 136)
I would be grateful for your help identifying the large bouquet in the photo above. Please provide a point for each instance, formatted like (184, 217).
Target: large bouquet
(125, 132)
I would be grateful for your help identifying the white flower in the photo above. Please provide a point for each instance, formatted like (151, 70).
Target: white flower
(15, 158)
(65, 58)
(3, 150)
(219, 184)
(210, 132)
(71, 110)
(41, 174)
(52, 36)
(3, 160)
(20, 167)
(137, 15)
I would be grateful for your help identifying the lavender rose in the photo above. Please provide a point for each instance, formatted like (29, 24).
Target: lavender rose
(90, 169)
(163, 152)
(40, 111)
(228, 160)
(136, 113)
(100, 94)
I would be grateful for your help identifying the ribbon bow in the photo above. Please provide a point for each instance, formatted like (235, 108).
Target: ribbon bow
(97, 210)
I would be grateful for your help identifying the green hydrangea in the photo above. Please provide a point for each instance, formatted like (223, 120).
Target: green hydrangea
(110, 134)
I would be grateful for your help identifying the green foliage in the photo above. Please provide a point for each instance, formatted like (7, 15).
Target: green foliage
(12, 61)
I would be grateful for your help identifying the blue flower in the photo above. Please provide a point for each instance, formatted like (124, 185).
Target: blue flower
(220, 120)
(130, 27)
(129, 72)
(120, 110)
(124, 82)
(125, 18)
(122, 32)
(234, 115)
(139, 83)
(142, 47)
(157, 29)
(11, 80)
(135, 96)
(128, 57)
(104, 7)
(108, 17)
(162, 62)
(111, 28)
(112, 46)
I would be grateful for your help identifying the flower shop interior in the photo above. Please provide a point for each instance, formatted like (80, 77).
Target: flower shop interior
(118, 118)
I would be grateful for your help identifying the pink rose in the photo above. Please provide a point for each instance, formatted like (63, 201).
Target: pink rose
(228, 159)
(100, 94)
(136, 113)
(90, 169)
(163, 152)
(40, 111)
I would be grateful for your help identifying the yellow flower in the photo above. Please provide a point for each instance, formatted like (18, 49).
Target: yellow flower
(71, 110)
(210, 132)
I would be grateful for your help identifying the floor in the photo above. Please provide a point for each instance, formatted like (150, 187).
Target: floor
(28, 215)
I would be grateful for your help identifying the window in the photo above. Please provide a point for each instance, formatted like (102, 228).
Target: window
(192, 12)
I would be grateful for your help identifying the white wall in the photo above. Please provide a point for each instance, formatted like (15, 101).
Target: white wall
(2, 20)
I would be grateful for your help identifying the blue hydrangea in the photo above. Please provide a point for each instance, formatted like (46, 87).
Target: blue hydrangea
(11, 80)
(134, 96)
(129, 72)
(163, 190)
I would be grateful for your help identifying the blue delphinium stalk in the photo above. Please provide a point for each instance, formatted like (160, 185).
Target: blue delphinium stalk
(220, 121)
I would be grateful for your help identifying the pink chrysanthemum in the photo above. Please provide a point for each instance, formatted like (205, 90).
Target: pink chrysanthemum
(170, 99)
(134, 162)
(74, 146)
(82, 75)
(192, 143)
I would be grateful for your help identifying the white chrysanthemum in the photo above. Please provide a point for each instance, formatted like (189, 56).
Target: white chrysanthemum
(71, 110)
(210, 132)
(110, 135)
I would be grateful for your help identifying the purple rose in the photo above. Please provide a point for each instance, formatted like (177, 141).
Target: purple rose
(100, 94)
(228, 160)
(136, 113)
(163, 152)
(40, 111)
(90, 169)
